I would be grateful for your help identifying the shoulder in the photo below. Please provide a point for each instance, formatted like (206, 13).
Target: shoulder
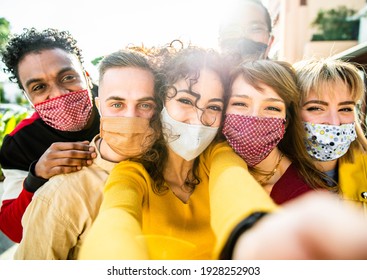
(129, 174)
(289, 186)
(77, 186)
(221, 152)
(26, 123)
(360, 161)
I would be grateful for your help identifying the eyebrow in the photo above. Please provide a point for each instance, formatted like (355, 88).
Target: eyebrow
(267, 99)
(122, 99)
(36, 80)
(196, 95)
(326, 104)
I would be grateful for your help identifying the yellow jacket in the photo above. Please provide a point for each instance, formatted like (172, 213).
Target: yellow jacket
(136, 223)
(353, 180)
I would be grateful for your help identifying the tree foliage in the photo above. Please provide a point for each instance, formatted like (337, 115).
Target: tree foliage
(335, 25)
(4, 32)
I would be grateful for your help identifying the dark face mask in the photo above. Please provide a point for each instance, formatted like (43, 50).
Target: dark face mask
(243, 47)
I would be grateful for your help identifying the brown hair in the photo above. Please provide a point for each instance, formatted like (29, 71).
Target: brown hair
(314, 74)
(280, 76)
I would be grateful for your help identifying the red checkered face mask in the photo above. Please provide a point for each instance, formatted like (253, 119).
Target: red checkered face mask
(253, 138)
(68, 112)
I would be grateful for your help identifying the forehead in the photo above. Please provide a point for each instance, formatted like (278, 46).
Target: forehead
(42, 62)
(241, 87)
(244, 14)
(208, 86)
(330, 90)
(130, 81)
(250, 12)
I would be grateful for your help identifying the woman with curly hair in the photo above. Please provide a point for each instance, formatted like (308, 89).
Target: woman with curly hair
(179, 209)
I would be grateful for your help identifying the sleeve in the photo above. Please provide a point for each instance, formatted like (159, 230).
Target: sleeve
(234, 194)
(116, 233)
(19, 187)
(15, 200)
(48, 233)
(32, 183)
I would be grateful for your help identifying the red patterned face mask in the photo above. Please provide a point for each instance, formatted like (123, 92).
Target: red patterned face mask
(253, 138)
(68, 112)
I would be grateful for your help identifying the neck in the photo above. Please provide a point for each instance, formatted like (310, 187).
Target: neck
(325, 166)
(268, 163)
(175, 175)
(271, 169)
(107, 153)
(177, 167)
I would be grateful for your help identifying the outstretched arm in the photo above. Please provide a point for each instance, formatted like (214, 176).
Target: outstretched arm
(314, 226)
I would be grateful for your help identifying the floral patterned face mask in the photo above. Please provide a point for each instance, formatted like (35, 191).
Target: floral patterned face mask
(253, 138)
(329, 142)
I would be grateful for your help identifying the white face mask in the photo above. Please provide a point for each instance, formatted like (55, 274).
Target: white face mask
(186, 140)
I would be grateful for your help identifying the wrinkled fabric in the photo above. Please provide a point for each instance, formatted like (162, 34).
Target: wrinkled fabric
(253, 138)
(68, 112)
(128, 137)
(329, 142)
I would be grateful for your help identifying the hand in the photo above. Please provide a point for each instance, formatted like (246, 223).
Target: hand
(64, 157)
(314, 226)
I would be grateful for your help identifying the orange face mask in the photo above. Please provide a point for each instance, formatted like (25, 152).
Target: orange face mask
(127, 136)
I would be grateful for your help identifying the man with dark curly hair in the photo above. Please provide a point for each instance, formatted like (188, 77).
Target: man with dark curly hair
(47, 66)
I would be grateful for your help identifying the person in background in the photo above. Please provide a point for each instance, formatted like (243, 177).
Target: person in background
(263, 126)
(62, 210)
(331, 90)
(47, 66)
(246, 31)
(199, 195)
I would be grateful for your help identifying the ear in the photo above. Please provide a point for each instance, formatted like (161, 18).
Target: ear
(28, 99)
(88, 78)
(270, 43)
(97, 102)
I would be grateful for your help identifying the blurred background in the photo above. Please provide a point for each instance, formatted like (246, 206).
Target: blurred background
(302, 29)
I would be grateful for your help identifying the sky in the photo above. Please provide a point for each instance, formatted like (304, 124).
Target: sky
(104, 26)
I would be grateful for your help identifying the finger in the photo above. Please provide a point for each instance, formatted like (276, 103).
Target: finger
(73, 154)
(64, 146)
(69, 162)
(63, 170)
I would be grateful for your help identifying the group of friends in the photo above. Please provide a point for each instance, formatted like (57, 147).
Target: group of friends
(186, 153)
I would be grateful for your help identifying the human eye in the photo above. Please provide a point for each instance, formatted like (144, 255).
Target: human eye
(273, 108)
(116, 105)
(238, 102)
(257, 28)
(38, 87)
(185, 101)
(313, 108)
(346, 109)
(216, 108)
(147, 106)
(68, 78)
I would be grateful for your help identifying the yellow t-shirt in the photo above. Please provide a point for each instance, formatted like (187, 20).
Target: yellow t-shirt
(136, 223)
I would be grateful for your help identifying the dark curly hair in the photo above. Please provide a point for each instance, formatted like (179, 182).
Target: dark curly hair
(32, 40)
